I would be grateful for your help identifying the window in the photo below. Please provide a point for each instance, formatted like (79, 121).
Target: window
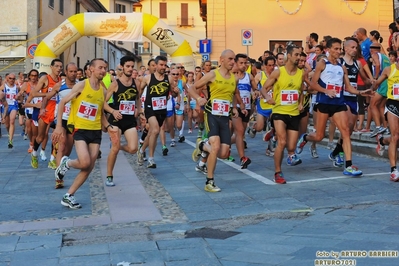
(51, 4)
(120, 8)
(163, 10)
(184, 14)
(61, 10)
(77, 7)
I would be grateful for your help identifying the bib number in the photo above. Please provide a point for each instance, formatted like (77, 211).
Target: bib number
(67, 111)
(247, 102)
(127, 107)
(10, 97)
(159, 103)
(220, 107)
(348, 94)
(289, 97)
(395, 91)
(335, 87)
(87, 111)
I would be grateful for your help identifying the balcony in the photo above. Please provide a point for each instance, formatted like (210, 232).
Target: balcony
(185, 22)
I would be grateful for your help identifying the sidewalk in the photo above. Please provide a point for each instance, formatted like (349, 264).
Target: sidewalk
(163, 216)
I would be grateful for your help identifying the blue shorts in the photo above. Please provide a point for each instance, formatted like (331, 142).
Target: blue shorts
(170, 113)
(12, 108)
(353, 106)
(193, 104)
(35, 114)
(263, 112)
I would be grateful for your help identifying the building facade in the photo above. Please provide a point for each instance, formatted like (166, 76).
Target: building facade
(271, 21)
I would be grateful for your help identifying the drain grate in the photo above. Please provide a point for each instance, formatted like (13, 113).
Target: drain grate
(211, 233)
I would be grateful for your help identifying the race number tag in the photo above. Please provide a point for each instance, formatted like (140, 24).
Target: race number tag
(289, 97)
(220, 107)
(395, 91)
(127, 107)
(335, 87)
(10, 97)
(158, 103)
(67, 111)
(247, 102)
(87, 111)
(348, 94)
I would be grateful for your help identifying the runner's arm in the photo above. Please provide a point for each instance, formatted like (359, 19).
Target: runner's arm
(269, 84)
(108, 93)
(320, 66)
(384, 75)
(76, 90)
(204, 81)
(43, 81)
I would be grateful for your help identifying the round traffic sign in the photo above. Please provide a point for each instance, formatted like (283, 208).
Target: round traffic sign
(31, 50)
(247, 34)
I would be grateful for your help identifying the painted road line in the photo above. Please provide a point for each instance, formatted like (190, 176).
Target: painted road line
(334, 177)
(237, 167)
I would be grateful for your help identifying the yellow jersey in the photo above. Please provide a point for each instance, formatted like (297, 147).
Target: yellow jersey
(286, 92)
(262, 102)
(393, 83)
(220, 94)
(87, 108)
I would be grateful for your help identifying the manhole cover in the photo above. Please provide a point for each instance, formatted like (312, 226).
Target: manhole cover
(211, 233)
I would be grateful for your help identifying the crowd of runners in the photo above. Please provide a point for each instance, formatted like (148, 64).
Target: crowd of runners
(335, 81)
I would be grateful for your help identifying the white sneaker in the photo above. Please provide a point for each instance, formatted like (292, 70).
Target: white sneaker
(43, 155)
(395, 176)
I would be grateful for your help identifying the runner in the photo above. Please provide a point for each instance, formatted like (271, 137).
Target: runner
(46, 115)
(391, 74)
(85, 121)
(10, 89)
(328, 79)
(158, 89)
(222, 90)
(287, 82)
(246, 85)
(123, 112)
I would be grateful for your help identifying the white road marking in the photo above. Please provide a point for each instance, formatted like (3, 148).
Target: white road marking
(269, 182)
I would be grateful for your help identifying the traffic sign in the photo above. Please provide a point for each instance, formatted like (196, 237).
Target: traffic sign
(247, 36)
(31, 50)
(205, 46)
(205, 57)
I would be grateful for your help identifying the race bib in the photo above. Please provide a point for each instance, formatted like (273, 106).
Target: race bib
(87, 111)
(220, 107)
(289, 97)
(348, 94)
(158, 103)
(66, 112)
(335, 87)
(127, 107)
(395, 91)
(246, 100)
(10, 97)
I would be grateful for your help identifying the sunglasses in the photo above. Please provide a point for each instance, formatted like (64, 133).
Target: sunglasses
(180, 67)
(174, 74)
(33, 75)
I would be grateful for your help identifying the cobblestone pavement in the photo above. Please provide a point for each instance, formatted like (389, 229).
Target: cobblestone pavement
(320, 214)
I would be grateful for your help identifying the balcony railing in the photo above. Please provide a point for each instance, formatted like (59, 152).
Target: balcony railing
(185, 21)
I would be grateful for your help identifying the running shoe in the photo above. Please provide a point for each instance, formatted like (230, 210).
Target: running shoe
(43, 155)
(339, 160)
(269, 152)
(140, 159)
(380, 148)
(30, 149)
(62, 168)
(203, 169)
(34, 162)
(25, 137)
(300, 144)
(151, 164)
(165, 150)
(293, 160)
(197, 152)
(244, 162)
(59, 184)
(144, 156)
(268, 135)
(70, 201)
(181, 139)
(52, 164)
(172, 143)
(352, 171)
(279, 178)
(190, 131)
(376, 131)
(388, 132)
(394, 177)
(230, 158)
(110, 181)
(211, 187)
(251, 132)
(330, 145)
(313, 152)
(10, 146)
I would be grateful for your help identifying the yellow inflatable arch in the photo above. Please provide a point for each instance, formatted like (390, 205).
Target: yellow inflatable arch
(113, 26)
